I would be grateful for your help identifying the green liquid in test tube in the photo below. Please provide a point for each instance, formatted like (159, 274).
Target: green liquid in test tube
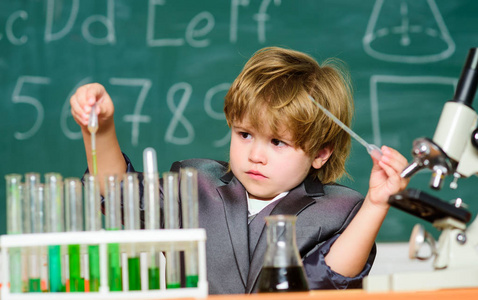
(132, 222)
(34, 198)
(14, 226)
(189, 202)
(93, 223)
(153, 276)
(171, 218)
(74, 222)
(151, 211)
(113, 222)
(54, 218)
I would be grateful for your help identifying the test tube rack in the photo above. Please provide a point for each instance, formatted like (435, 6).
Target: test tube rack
(161, 239)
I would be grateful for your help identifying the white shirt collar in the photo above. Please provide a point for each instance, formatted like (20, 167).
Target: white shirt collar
(255, 206)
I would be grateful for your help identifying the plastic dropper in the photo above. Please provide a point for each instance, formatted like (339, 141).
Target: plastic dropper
(93, 128)
(372, 149)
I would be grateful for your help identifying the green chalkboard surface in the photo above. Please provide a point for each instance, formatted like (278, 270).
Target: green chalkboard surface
(168, 64)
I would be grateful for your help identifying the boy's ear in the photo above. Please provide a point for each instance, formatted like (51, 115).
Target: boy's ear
(322, 157)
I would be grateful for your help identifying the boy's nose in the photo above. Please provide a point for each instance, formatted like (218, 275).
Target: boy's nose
(257, 153)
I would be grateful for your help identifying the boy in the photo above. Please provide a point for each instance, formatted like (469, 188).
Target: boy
(285, 155)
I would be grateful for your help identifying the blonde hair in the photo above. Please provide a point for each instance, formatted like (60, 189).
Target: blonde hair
(272, 90)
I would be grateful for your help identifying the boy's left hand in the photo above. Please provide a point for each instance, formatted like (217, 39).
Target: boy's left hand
(385, 178)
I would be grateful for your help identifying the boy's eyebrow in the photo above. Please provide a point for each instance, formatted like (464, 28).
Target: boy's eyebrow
(241, 127)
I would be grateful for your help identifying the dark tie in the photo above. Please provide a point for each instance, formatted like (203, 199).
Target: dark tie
(256, 226)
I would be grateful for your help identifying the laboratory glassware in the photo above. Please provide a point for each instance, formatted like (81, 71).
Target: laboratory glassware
(282, 270)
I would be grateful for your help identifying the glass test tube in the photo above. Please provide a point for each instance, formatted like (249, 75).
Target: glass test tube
(113, 222)
(171, 217)
(14, 226)
(54, 218)
(151, 211)
(93, 223)
(32, 180)
(39, 227)
(132, 222)
(25, 251)
(74, 222)
(189, 205)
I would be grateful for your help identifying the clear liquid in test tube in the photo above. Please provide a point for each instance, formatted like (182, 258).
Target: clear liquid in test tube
(54, 217)
(74, 222)
(171, 218)
(113, 222)
(189, 207)
(93, 223)
(14, 226)
(132, 222)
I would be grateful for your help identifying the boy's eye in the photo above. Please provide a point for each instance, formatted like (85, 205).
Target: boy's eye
(245, 135)
(277, 142)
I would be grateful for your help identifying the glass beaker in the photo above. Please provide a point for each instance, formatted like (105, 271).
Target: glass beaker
(282, 270)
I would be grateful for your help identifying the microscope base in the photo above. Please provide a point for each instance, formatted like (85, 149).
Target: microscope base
(419, 281)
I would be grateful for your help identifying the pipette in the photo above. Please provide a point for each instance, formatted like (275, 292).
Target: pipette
(372, 149)
(92, 128)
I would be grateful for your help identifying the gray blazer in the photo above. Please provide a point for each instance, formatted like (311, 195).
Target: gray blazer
(323, 212)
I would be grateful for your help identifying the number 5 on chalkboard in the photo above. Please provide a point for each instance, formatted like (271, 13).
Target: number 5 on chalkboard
(18, 98)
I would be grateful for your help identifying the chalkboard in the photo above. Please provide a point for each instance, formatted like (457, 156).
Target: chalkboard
(168, 64)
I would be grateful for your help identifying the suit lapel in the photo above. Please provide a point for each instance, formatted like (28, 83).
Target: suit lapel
(235, 206)
(292, 204)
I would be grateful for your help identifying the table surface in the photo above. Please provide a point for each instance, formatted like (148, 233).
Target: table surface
(461, 294)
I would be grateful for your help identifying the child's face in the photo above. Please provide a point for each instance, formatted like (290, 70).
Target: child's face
(266, 165)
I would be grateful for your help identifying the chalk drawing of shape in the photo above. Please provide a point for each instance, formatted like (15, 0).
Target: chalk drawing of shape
(407, 31)
(404, 102)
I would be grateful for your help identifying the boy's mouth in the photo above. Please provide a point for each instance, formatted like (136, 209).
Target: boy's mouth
(255, 174)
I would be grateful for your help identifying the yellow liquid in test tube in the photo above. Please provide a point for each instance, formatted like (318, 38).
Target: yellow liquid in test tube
(93, 128)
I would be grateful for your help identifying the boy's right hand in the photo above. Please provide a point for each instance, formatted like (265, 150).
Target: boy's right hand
(83, 100)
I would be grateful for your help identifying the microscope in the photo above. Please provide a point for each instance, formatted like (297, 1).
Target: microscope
(453, 151)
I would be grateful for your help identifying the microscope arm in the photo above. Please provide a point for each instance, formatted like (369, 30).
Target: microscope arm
(454, 147)
(454, 132)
